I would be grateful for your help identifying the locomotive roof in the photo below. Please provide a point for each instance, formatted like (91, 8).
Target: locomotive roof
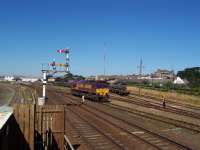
(90, 81)
(94, 83)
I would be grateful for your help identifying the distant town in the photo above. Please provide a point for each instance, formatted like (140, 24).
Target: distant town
(18, 78)
(160, 75)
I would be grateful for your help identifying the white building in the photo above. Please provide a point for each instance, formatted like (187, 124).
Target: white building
(179, 81)
(29, 79)
(9, 78)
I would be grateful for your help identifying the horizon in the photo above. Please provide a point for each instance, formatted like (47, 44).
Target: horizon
(132, 74)
(164, 34)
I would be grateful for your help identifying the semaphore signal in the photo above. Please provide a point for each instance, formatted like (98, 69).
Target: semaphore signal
(54, 70)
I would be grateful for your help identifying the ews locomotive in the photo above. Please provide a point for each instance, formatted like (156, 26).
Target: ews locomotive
(95, 91)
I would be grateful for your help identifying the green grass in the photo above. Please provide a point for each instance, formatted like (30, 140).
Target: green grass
(171, 95)
(6, 94)
(168, 88)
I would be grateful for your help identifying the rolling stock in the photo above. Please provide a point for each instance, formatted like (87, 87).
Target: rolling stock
(92, 90)
(119, 89)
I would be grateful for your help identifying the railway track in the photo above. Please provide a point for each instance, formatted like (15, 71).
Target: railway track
(168, 101)
(177, 123)
(152, 138)
(117, 120)
(93, 136)
(69, 101)
(158, 106)
(16, 96)
(182, 124)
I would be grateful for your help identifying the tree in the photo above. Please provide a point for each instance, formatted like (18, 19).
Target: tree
(192, 75)
(71, 76)
(17, 79)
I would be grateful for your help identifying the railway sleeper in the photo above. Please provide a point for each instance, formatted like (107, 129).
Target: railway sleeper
(96, 140)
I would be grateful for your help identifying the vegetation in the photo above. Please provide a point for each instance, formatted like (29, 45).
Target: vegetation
(169, 86)
(192, 75)
(172, 95)
(69, 77)
(6, 93)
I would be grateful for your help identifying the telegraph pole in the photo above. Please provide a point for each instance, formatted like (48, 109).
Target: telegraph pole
(140, 68)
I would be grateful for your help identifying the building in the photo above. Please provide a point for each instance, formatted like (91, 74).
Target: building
(1, 78)
(179, 81)
(29, 79)
(163, 74)
(9, 78)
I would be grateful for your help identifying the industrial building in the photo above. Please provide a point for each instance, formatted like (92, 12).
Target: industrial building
(163, 74)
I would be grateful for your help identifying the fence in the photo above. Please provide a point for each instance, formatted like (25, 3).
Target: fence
(50, 127)
(41, 127)
(24, 116)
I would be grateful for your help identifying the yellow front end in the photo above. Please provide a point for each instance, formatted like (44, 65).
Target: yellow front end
(102, 91)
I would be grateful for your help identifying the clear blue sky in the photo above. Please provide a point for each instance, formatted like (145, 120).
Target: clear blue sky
(165, 33)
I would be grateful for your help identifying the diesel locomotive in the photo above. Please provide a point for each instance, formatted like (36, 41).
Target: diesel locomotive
(95, 91)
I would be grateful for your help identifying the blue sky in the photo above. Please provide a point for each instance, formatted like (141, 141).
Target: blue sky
(165, 33)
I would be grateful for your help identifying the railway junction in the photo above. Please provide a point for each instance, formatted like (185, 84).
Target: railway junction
(125, 122)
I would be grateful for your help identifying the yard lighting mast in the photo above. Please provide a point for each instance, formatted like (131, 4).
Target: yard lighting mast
(140, 68)
(140, 73)
(104, 60)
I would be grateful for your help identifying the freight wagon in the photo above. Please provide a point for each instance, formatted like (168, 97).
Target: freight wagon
(119, 89)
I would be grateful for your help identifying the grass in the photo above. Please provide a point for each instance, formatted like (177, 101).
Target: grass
(6, 93)
(167, 87)
(174, 96)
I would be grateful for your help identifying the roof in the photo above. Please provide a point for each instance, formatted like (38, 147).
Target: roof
(5, 113)
(164, 71)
